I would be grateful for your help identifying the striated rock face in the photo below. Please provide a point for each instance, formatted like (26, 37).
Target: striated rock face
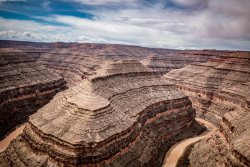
(24, 87)
(220, 91)
(118, 117)
(82, 61)
(78, 61)
(73, 66)
(121, 113)
(179, 59)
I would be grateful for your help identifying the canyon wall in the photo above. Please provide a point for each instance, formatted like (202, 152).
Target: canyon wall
(71, 65)
(78, 61)
(121, 116)
(75, 62)
(118, 112)
(179, 59)
(24, 87)
(219, 90)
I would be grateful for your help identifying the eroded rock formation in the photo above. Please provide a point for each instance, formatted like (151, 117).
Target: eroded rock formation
(179, 59)
(220, 91)
(78, 61)
(24, 87)
(74, 66)
(118, 117)
(120, 113)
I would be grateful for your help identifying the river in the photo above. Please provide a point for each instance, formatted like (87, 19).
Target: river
(6, 141)
(176, 151)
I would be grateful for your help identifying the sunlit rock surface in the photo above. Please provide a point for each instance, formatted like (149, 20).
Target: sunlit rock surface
(118, 112)
(24, 87)
(220, 91)
(118, 117)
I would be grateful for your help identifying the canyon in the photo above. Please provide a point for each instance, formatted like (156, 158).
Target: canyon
(24, 87)
(219, 90)
(176, 151)
(120, 105)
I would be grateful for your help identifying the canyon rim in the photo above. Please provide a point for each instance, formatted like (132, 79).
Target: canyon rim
(124, 83)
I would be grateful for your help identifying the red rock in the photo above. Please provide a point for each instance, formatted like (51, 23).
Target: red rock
(25, 87)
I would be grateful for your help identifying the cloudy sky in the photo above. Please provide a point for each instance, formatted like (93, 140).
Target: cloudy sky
(181, 24)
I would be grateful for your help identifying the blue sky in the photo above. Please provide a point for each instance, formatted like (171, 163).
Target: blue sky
(179, 24)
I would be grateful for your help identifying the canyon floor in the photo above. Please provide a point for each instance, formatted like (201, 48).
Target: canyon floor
(72, 104)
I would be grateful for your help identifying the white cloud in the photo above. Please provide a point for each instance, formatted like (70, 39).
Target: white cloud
(29, 30)
(10, 34)
(214, 26)
(88, 31)
(118, 31)
(210, 22)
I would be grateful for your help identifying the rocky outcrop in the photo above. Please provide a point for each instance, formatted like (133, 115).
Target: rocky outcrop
(83, 60)
(119, 117)
(78, 61)
(179, 59)
(219, 90)
(139, 114)
(24, 87)
(71, 65)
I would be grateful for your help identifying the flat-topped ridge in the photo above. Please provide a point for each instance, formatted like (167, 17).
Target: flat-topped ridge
(101, 121)
(219, 90)
(120, 67)
(88, 101)
(90, 96)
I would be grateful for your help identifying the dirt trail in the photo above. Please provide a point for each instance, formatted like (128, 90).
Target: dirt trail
(178, 149)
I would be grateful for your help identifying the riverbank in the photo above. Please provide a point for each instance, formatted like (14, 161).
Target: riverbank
(171, 157)
(6, 141)
(176, 151)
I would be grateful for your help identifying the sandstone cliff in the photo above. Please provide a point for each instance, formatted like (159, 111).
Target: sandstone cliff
(220, 91)
(77, 61)
(179, 59)
(24, 87)
(119, 117)
(119, 113)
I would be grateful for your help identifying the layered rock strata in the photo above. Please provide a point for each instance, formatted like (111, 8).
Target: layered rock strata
(220, 91)
(83, 60)
(71, 65)
(24, 87)
(179, 59)
(119, 117)
(77, 61)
